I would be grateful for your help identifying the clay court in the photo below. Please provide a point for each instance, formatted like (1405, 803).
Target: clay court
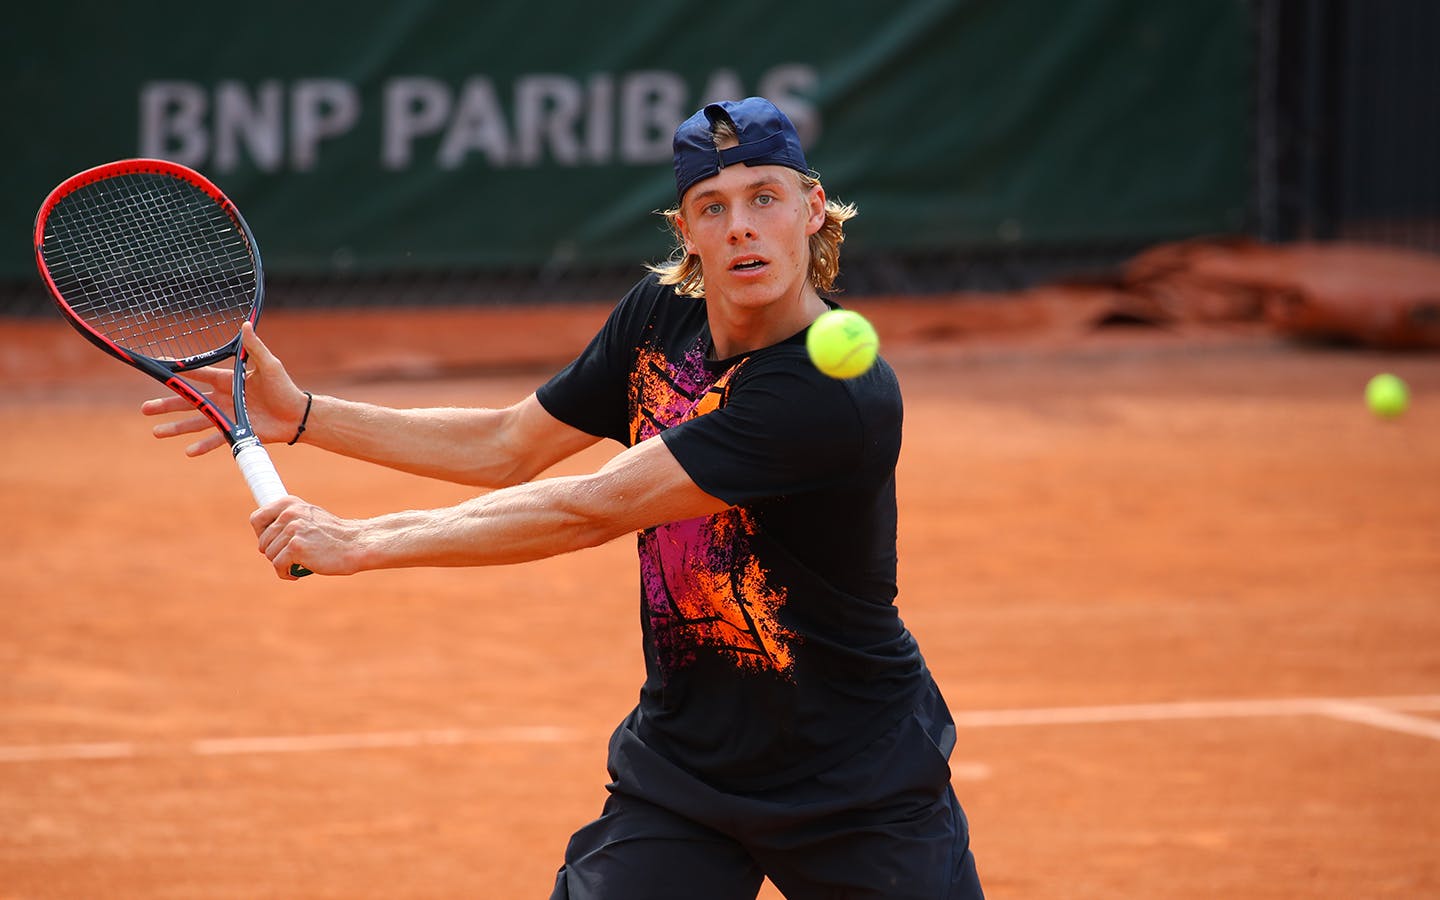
(1182, 591)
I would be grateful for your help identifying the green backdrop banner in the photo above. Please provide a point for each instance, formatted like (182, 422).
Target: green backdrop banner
(441, 134)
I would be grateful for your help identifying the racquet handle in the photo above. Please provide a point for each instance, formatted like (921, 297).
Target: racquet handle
(264, 481)
(259, 472)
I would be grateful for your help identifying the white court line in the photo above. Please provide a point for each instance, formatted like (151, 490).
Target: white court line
(382, 739)
(42, 752)
(1376, 712)
(1135, 712)
(1348, 711)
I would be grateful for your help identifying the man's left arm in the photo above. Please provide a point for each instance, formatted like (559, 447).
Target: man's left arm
(643, 486)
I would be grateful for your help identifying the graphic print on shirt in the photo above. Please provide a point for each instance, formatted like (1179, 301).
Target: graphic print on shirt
(704, 590)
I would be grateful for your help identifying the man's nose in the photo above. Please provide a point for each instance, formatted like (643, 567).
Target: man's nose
(740, 228)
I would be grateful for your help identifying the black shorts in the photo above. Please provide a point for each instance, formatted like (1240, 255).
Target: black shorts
(883, 824)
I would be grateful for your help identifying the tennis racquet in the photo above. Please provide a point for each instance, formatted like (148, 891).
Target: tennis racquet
(153, 264)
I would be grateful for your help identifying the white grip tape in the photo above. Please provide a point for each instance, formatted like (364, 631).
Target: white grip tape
(259, 473)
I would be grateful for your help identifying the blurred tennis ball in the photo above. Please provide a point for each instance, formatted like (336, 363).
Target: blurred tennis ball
(1387, 396)
(842, 343)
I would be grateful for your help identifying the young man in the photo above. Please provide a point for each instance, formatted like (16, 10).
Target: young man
(788, 725)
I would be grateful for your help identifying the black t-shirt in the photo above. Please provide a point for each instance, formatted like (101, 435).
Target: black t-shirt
(773, 648)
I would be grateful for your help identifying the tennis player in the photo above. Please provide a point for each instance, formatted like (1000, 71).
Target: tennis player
(788, 726)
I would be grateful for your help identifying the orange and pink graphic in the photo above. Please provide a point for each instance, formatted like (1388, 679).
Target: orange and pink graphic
(705, 592)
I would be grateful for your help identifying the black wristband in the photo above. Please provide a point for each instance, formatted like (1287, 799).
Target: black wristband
(309, 398)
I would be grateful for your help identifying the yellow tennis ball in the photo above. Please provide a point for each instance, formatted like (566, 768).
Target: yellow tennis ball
(842, 344)
(1387, 396)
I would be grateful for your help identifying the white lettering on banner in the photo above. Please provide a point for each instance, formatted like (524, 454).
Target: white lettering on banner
(172, 122)
(479, 125)
(599, 125)
(724, 84)
(554, 119)
(413, 107)
(788, 85)
(548, 110)
(178, 122)
(651, 105)
(256, 122)
(320, 108)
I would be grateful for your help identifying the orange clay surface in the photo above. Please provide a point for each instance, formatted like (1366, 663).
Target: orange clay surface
(1181, 589)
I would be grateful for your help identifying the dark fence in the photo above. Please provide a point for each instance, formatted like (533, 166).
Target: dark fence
(1348, 121)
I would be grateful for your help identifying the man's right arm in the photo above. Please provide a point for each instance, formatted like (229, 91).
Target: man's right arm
(481, 447)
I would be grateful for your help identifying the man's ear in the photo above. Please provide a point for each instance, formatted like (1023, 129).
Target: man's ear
(684, 231)
(817, 210)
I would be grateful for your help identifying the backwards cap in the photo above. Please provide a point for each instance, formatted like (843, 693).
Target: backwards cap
(767, 138)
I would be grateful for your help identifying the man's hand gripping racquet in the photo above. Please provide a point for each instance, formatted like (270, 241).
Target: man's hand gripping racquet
(153, 264)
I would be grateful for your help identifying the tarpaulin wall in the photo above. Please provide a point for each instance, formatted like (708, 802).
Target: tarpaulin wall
(437, 135)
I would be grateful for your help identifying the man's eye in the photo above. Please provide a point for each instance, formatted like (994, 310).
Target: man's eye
(714, 209)
(764, 200)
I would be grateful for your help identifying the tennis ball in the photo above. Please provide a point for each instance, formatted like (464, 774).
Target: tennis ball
(842, 344)
(1387, 396)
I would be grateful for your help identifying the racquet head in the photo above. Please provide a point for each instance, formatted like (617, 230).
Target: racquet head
(148, 258)
(153, 264)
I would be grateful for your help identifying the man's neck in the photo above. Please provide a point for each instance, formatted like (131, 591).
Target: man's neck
(738, 330)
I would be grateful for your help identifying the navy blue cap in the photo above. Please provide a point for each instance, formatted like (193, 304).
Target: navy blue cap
(767, 138)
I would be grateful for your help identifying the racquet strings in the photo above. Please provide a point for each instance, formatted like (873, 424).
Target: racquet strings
(153, 263)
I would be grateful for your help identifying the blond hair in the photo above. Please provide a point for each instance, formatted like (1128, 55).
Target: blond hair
(683, 270)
